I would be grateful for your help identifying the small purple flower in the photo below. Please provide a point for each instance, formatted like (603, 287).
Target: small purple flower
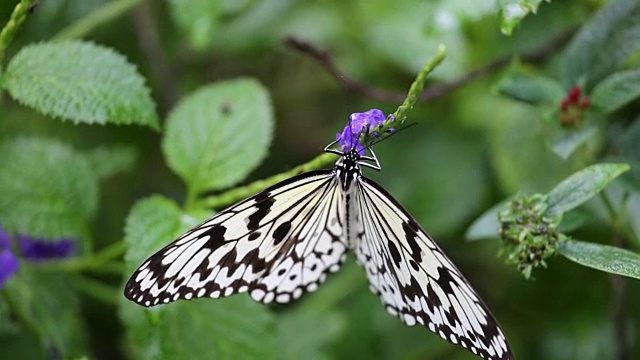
(8, 262)
(368, 122)
(36, 249)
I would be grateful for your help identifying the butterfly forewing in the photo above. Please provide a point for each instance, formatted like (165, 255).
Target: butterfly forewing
(276, 244)
(416, 281)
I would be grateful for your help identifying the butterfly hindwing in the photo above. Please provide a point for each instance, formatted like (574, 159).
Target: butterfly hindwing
(415, 280)
(276, 245)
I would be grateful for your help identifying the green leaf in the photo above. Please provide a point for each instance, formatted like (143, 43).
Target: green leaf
(531, 89)
(235, 327)
(218, 134)
(108, 160)
(603, 45)
(602, 257)
(513, 11)
(198, 19)
(51, 308)
(582, 185)
(48, 189)
(616, 91)
(486, 226)
(81, 82)
(566, 142)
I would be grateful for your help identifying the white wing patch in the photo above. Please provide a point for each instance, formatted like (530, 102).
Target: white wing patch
(277, 245)
(415, 280)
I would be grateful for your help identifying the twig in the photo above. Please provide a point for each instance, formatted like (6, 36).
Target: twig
(18, 16)
(430, 92)
(150, 44)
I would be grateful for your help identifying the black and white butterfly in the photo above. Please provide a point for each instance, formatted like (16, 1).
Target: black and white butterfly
(282, 242)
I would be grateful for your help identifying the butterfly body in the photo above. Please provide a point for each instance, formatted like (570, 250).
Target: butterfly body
(283, 241)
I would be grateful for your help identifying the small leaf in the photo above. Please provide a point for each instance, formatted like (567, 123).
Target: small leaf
(531, 89)
(583, 185)
(603, 45)
(81, 82)
(217, 135)
(513, 11)
(48, 189)
(602, 257)
(568, 141)
(486, 226)
(198, 19)
(106, 161)
(235, 327)
(616, 91)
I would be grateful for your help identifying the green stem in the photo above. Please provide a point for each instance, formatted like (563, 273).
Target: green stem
(101, 16)
(100, 262)
(231, 196)
(18, 15)
(618, 217)
(96, 289)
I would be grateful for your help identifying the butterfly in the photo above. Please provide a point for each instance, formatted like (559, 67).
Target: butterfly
(283, 241)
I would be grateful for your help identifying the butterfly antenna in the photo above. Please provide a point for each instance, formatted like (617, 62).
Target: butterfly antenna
(369, 146)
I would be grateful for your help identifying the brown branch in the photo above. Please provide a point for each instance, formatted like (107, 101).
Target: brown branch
(430, 92)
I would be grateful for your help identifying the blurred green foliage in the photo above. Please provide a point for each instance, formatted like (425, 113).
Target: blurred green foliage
(169, 103)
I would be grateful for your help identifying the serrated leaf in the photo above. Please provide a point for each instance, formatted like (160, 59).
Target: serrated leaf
(108, 160)
(229, 328)
(616, 91)
(513, 11)
(47, 189)
(81, 82)
(603, 45)
(531, 89)
(602, 257)
(217, 135)
(582, 186)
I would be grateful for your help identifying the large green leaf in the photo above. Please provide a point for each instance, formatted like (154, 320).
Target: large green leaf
(81, 82)
(582, 186)
(603, 45)
(617, 90)
(47, 189)
(602, 257)
(216, 135)
(233, 328)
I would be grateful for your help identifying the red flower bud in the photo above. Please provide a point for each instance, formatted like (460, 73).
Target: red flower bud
(564, 104)
(585, 102)
(574, 94)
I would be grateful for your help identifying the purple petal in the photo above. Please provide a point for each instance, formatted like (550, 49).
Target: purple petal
(8, 266)
(5, 239)
(34, 249)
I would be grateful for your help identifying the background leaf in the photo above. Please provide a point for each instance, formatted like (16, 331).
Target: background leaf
(582, 186)
(602, 257)
(603, 45)
(235, 327)
(48, 189)
(208, 141)
(531, 89)
(513, 11)
(108, 160)
(81, 82)
(616, 91)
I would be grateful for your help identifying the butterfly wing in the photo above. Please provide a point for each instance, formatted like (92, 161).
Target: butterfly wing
(276, 244)
(414, 278)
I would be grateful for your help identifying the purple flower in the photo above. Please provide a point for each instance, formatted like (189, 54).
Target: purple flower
(8, 262)
(36, 249)
(367, 122)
